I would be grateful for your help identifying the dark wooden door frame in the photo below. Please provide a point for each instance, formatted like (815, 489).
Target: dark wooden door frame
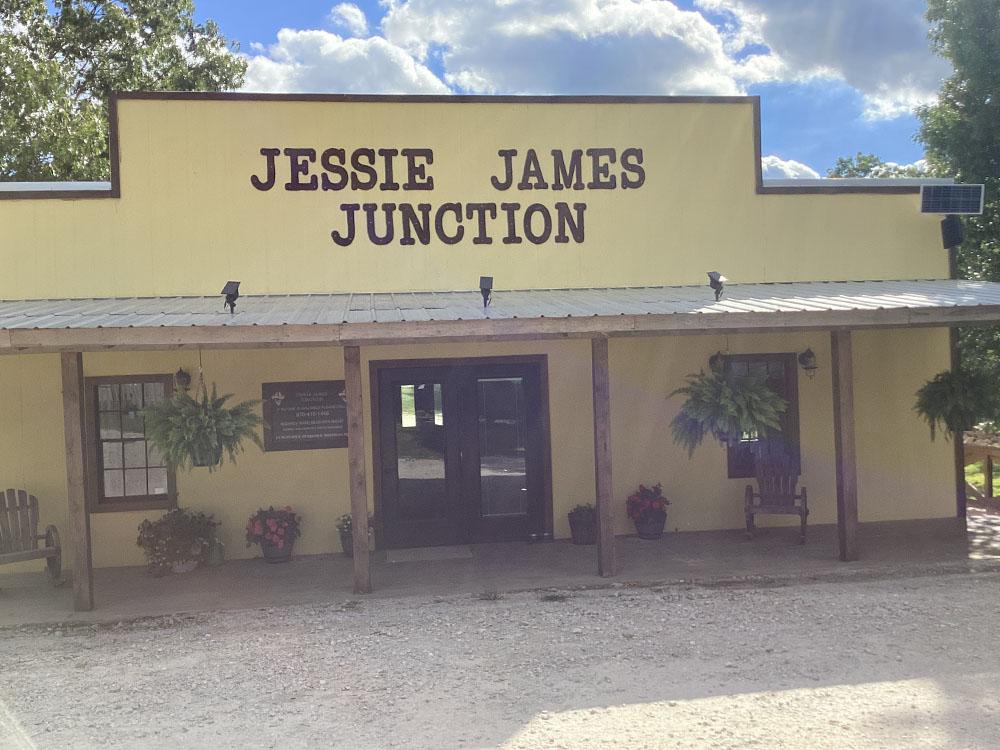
(375, 367)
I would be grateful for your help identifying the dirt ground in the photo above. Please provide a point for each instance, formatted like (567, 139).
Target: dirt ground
(890, 663)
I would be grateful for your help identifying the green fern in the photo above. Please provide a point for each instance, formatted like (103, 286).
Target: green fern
(201, 431)
(725, 406)
(952, 401)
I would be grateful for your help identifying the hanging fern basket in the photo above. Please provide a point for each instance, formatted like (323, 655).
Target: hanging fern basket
(953, 401)
(201, 431)
(726, 406)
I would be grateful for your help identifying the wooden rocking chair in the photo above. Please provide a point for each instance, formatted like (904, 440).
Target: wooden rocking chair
(777, 476)
(19, 535)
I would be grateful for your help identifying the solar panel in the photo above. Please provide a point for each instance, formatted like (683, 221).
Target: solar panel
(951, 199)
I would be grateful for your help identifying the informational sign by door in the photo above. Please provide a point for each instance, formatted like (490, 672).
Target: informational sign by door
(304, 415)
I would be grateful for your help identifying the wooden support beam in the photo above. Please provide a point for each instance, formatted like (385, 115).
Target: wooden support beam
(988, 474)
(606, 563)
(844, 447)
(76, 480)
(356, 466)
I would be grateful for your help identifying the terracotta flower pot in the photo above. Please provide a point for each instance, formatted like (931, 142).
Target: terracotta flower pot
(583, 528)
(273, 554)
(650, 526)
(347, 542)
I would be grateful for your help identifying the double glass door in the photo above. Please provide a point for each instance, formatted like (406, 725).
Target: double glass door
(461, 454)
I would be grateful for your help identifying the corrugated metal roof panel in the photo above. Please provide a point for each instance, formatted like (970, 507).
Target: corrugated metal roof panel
(360, 308)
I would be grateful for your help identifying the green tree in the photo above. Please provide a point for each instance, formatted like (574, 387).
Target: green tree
(60, 62)
(962, 135)
(869, 165)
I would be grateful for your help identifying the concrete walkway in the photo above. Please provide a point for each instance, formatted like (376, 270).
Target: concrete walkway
(705, 558)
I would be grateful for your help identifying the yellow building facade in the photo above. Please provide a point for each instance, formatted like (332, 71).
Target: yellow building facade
(295, 195)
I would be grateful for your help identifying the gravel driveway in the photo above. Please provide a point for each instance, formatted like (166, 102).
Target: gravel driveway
(897, 663)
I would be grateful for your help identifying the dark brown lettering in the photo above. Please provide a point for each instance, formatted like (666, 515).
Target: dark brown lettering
(416, 174)
(267, 183)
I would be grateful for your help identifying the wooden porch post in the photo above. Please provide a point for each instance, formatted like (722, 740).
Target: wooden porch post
(844, 448)
(356, 466)
(602, 458)
(958, 440)
(79, 518)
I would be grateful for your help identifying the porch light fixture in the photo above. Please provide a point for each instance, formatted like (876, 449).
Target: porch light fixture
(807, 361)
(232, 292)
(716, 362)
(486, 289)
(717, 282)
(183, 379)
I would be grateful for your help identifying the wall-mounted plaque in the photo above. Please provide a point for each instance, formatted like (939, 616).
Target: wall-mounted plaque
(304, 415)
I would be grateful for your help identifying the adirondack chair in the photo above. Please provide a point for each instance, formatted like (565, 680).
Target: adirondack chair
(777, 477)
(19, 535)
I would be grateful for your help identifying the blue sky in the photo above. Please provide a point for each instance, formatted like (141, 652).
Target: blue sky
(835, 76)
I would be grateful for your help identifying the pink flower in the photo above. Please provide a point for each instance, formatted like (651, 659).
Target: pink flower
(281, 543)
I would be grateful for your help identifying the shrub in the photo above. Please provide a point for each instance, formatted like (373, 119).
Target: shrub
(178, 536)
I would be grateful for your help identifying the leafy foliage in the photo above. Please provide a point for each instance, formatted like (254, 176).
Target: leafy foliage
(178, 536)
(869, 165)
(279, 527)
(962, 135)
(62, 60)
(584, 513)
(953, 401)
(199, 431)
(726, 406)
(647, 503)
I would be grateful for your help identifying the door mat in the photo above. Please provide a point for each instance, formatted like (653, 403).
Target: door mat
(425, 554)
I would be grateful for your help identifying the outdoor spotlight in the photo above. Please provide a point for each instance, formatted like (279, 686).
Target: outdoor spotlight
(486, 288)
(183, 379)
(717, 281)
(807, 361)
(232, 292)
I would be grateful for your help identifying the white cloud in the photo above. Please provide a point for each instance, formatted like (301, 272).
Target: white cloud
(350, 17)
(322, 61)
(879, 47)
(566, 46)
(776, 168)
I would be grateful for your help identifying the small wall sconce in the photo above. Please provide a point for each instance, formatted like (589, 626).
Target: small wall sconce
(807, 361)
(183, 379)
(717, 362)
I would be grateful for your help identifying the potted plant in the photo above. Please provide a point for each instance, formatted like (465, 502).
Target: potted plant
(647, 507)
(275, 530)
(345, 528)
(583, 524)
(726, 406)
(199, 431)
(346, 531)
(953, 401)
(177, 542)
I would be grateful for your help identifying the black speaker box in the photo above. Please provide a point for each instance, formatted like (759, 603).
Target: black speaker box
(951, 231)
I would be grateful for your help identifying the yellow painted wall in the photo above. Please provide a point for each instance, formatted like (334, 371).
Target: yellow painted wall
(188, 218)
(902, 474)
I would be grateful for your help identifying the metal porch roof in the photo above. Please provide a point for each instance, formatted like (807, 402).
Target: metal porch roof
(420, 315)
